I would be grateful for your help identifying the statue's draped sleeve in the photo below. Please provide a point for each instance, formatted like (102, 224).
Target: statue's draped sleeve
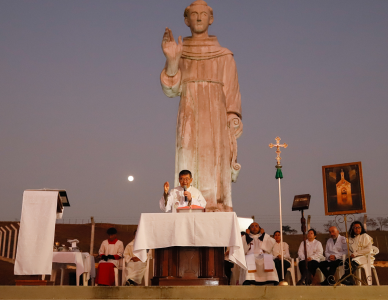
(231, 87)
(171, 85)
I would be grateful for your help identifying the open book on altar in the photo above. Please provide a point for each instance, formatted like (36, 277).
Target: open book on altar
(190, 209)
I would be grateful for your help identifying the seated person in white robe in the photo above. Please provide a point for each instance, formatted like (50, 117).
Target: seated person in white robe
(134, 267)
(258, 247)
(314, 256)
(336, 247)
(181, 196)
(360, 245)
(110, 252)
(276, 252)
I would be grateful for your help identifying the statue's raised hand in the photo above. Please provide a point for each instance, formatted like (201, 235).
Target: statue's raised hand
(172, 51)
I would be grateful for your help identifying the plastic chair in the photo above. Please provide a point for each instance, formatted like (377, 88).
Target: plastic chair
(292, 272)
(369, 267)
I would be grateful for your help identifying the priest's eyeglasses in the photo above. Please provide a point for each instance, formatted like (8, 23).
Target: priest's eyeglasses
(184, 179)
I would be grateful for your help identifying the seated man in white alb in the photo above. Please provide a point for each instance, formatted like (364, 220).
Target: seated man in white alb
(181, 196)
(277, 255)
(134, 267)
(258, 247)
(110, 252)
(336, 247)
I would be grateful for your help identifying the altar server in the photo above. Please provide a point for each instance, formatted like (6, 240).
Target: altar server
(181, 196)
(276, 252)
(110, 252)
(258, 247)
(335, 249)
(134, 267)
(314, 253)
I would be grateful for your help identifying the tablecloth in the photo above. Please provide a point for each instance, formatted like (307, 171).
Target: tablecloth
(82, 261)
(211, 229)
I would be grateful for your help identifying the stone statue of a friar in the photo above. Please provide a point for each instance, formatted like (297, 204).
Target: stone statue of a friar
(204, 75)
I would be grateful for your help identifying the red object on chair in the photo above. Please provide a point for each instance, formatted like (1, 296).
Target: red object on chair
(106, 274)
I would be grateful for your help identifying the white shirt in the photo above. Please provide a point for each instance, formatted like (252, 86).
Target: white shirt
(176, 199)
(361, 244)
(314, 250)
(277, 251)
(338, 249)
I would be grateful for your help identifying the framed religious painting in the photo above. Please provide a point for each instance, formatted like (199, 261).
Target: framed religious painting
(343, 189)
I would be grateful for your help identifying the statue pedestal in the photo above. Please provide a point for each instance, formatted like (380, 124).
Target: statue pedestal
(181, 266)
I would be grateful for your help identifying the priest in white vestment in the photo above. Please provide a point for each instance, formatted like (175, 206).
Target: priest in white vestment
(314, 254)
(181, 196)
(111, 251)
(336, 247)
(258, 248)
(134, 267)
(204, 75)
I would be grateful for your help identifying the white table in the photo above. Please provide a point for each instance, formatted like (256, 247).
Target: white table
(83, 261)
(210, 229)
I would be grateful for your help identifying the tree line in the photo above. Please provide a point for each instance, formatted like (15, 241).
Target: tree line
(378, 223)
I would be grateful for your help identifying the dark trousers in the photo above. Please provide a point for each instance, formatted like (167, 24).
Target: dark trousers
(278, 266)
(328, 268)
(312, 266)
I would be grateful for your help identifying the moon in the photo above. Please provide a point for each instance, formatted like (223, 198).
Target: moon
(130, 178)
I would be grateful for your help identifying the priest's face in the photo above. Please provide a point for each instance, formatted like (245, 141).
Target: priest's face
(185, 180)
(199, 19)
(254, 228)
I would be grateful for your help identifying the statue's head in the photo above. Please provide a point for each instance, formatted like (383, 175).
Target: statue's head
(198, 16)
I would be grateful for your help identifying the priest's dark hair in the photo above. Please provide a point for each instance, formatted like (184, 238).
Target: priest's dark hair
(275, 232)
(351, 231)
(185, 172)
(111, 231)
(313, 230)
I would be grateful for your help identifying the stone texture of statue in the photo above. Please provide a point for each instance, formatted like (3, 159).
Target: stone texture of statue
(204, 75)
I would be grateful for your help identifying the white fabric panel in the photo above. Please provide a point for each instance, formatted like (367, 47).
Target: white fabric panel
(244, 223)
(211, 229)
(36, 236)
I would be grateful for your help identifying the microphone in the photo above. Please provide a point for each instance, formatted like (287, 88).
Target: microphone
(185, 188)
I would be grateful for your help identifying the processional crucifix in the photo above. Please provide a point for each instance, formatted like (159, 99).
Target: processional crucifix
(278, 176)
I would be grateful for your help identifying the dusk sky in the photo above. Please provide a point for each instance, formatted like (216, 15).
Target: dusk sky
(82, 107)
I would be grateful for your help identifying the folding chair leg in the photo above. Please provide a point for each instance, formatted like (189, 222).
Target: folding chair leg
(116, 277)
(358, 272)
(377, 278)
(62, 275)
(293, 277)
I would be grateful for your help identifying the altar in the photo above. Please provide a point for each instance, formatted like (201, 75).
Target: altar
(189, 248)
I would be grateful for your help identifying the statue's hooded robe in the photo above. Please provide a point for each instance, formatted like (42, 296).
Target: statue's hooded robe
(207, 82)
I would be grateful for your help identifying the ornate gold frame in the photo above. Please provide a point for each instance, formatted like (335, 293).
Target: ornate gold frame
(361, 182)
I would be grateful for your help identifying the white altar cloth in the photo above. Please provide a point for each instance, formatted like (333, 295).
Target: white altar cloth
(36, 235)
(211, 229)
